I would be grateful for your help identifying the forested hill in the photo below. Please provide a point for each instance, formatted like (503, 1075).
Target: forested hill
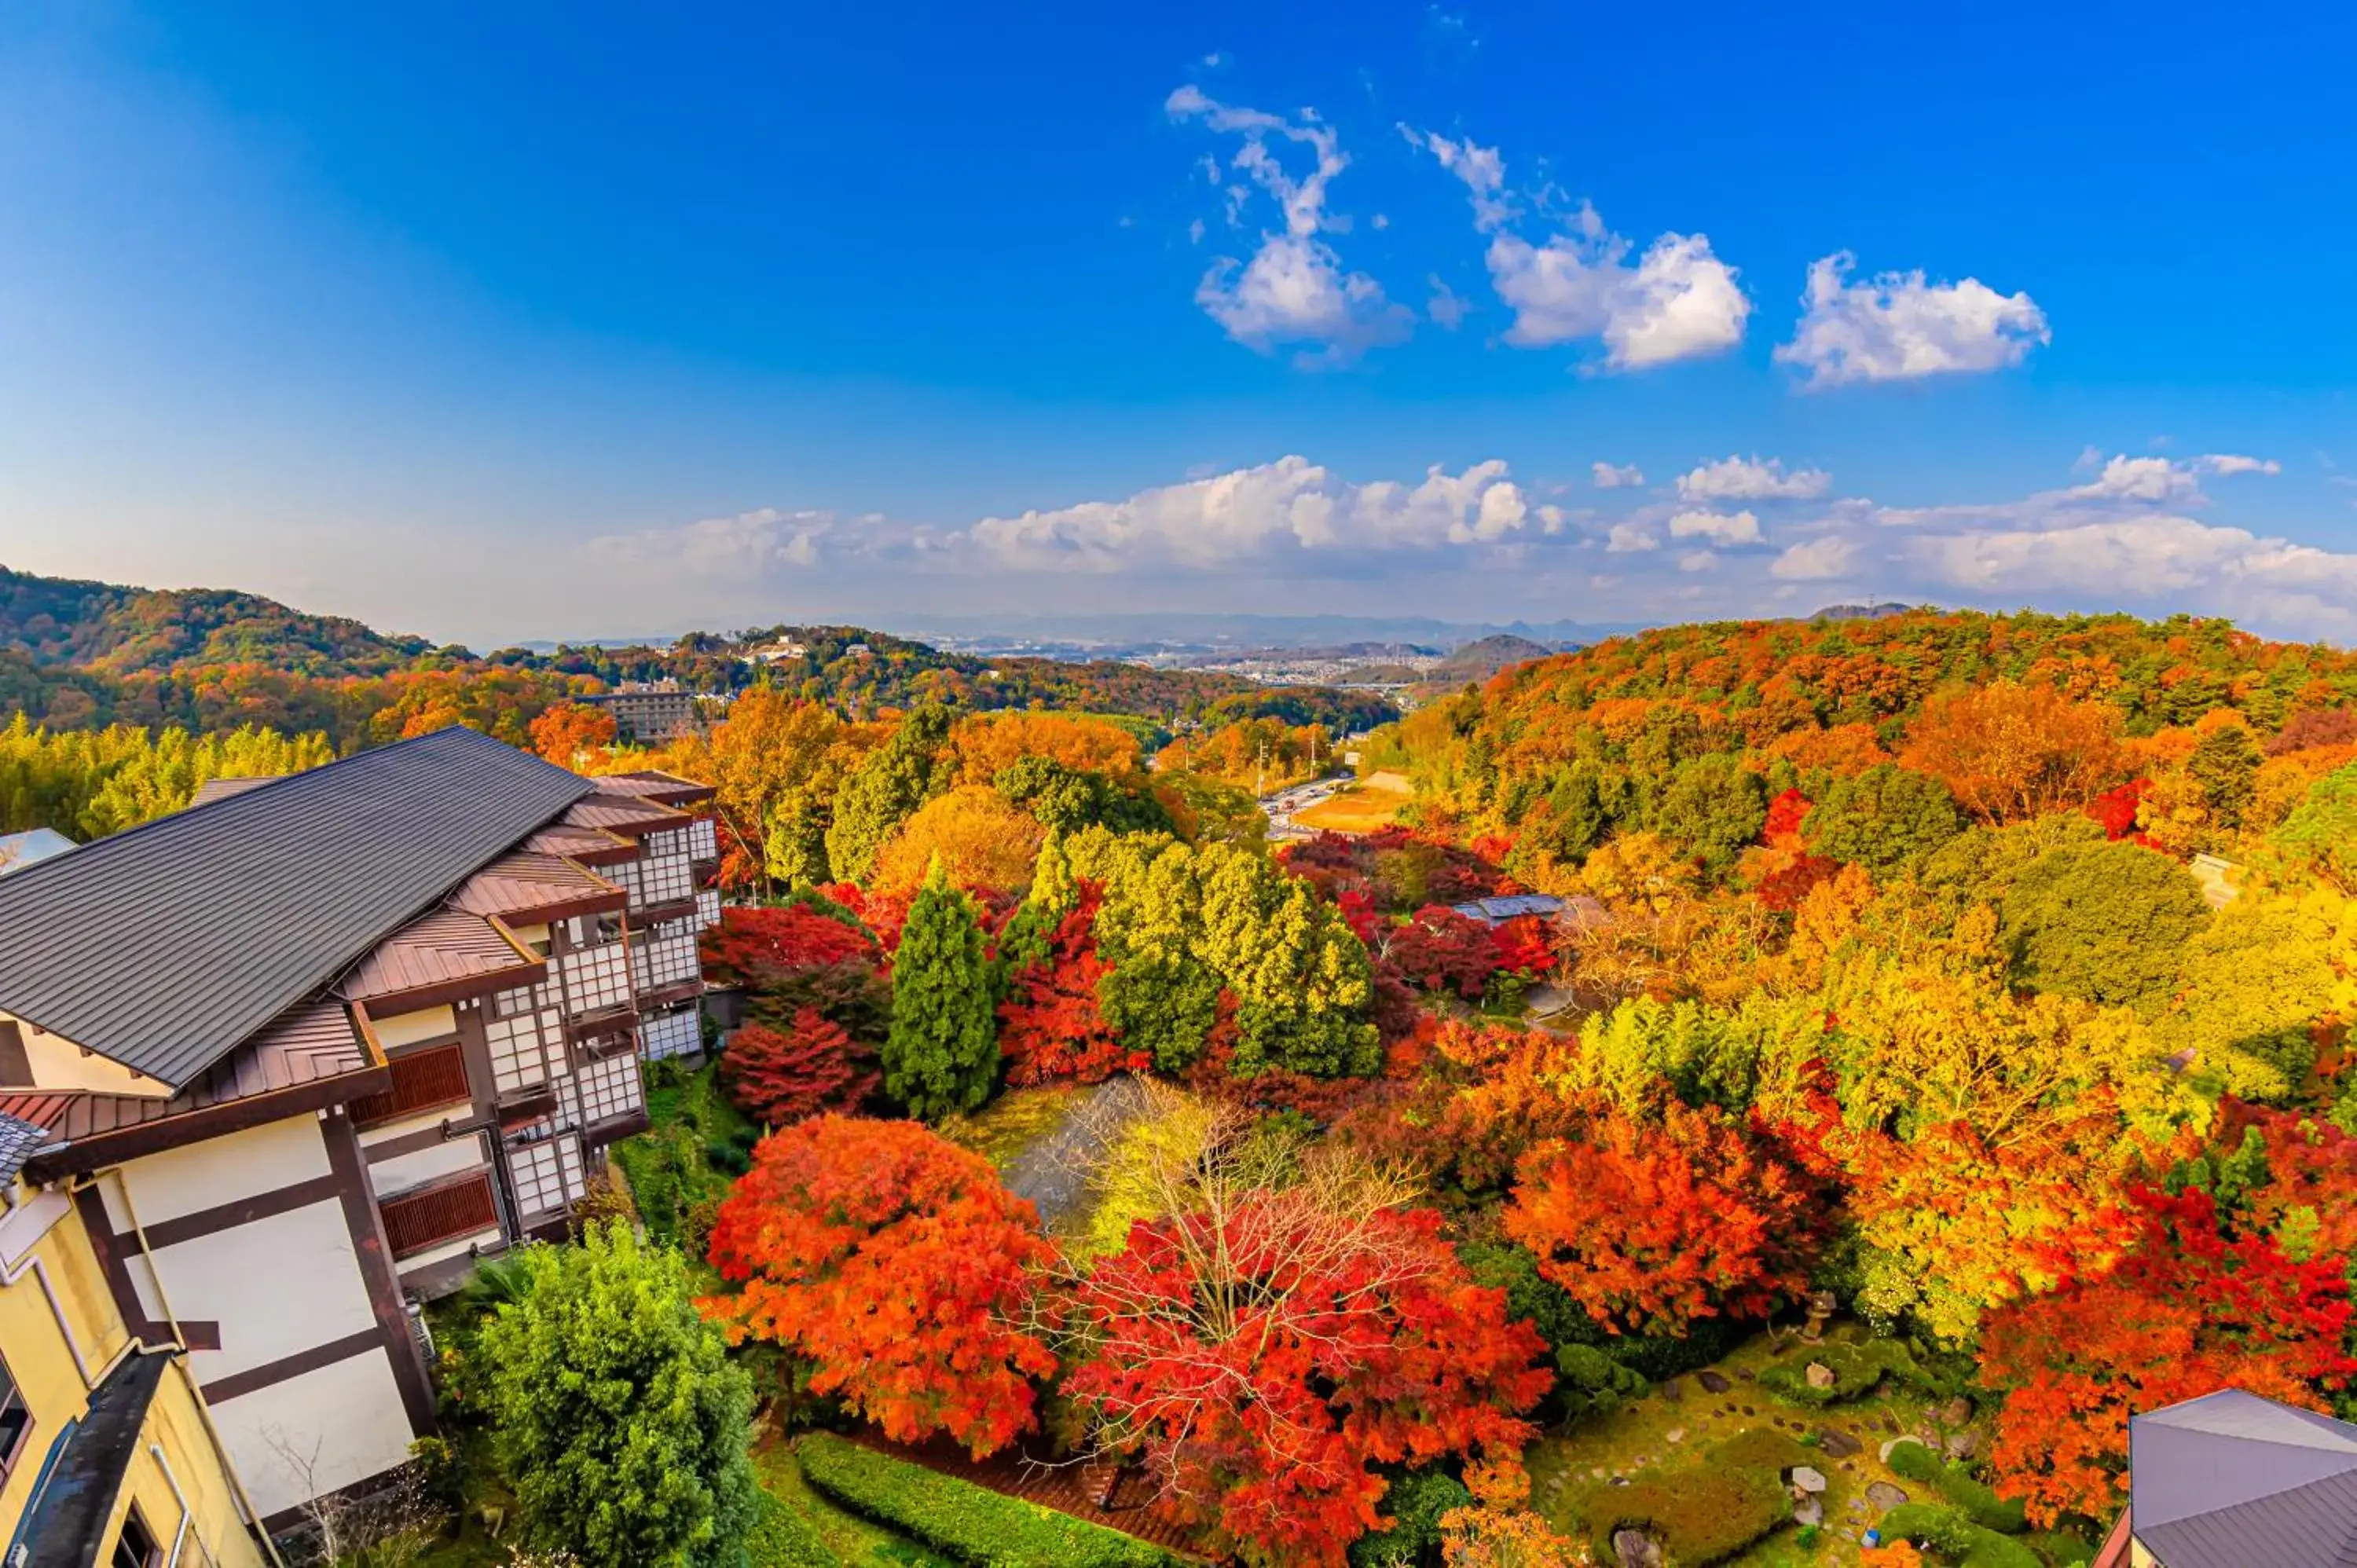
(77, 655)
(63, 621)
(1594, 735)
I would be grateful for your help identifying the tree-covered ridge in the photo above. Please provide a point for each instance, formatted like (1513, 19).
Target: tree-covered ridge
(80, 655)
(127, 630)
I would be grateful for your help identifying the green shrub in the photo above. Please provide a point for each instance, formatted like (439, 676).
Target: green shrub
(1955, 1538)
(1857, 1369)
(1700, 1514)
(1954, 1482)
(2060, 1549)
(971, 1523)
(724, 1156)
(1415, 1503)
(781, 1538)
(1593, 1382)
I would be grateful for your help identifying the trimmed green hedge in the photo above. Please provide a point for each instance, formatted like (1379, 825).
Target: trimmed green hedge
(971, 1523)
(780, 1538)
(1916, 1462)
(1416, 1502)
(1955, 1538)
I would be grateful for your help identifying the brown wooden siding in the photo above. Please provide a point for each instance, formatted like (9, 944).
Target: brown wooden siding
(442, 1212)
(421, 1080)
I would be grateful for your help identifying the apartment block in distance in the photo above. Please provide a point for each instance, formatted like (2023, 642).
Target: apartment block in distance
(649, 710)
(297, 1057)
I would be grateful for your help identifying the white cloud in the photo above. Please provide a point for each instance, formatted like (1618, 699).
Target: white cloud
(1295, 288)
(1896, 326)
(1748, 478)
(2126, 478)
(1741, 528)
(1676, 301)
(1448, 308)
(1628, 537)
(1696, 560)
(1245, 515)
(1814, 559)
(2227, 463)
(749, 544)
(1608, 477)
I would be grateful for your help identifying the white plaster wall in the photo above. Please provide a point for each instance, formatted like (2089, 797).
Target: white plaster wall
(279, 1285)
(408, 1028)
(398, 1175)
(385, 1133)
(59, 1063)
(344, 1422)
(222, 1170)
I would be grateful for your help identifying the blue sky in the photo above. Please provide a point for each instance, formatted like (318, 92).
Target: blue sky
(535, 320)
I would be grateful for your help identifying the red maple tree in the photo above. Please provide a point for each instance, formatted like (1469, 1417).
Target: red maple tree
(776, 1077)
(2190, 1309)
(753, 946)
(1651, 1224)
(1786, 812)
(1440, 950)
(896, 1264)
(1262, 1354)
(1049, 1026)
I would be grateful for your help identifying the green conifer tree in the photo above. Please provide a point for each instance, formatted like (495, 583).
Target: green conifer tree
(942, 1052)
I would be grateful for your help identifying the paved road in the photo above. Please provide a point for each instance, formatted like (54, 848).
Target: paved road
(1282, 805)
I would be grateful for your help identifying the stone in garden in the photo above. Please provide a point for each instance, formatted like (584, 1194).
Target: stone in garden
(1895, 1443)
(1840, 1445)
(1635, 1549)
(1713, 1381)
(1748, 1410)
(1962, 1444)
(1809, 1512)
(1956, 1412)
(1890, 1422)
(1808, 1479)
(1884, 1496)
(1619, 1480)
(1674, 1434)
(1674, 1390)
(1820, 1376)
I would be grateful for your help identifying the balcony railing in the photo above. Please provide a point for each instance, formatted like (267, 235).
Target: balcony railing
(417, 1222)
(669, 961)
(422, 1081)
(596, 979)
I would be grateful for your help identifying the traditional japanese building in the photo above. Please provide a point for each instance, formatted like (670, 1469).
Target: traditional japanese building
(299, 1057)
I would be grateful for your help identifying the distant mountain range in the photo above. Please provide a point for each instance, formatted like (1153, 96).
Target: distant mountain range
(1125, 634)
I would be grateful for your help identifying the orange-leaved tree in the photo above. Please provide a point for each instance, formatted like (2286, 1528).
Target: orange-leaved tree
(780, 1076)
(897, 1266)
(565, 733)
(2192, 1308)
(2010, 752)
(1649, 1223)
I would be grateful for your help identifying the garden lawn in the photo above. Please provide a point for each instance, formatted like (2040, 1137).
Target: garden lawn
(1662, 1435)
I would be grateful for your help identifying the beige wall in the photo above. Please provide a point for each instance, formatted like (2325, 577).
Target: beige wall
(58, 1063)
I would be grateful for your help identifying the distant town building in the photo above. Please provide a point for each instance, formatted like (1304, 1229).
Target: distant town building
(649, 710)
(18, 851)
(777, 652)
(857, 650)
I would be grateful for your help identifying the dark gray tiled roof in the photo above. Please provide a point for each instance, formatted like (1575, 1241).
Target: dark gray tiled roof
(18, 1139)
(65, 1525)
(165, 946)
(2231, 1479)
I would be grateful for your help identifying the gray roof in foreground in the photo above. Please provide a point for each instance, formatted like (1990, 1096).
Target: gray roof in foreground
(2231, 1479)
(167, 945)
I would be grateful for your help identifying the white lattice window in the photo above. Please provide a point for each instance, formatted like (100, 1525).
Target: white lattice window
(703, 841)
(604, 1089)
(526, 1039)
(666, 956)
(664, 878)
(596, 978)
(547, 1174)
(626, 877)
(675, 1032)
(708, 908)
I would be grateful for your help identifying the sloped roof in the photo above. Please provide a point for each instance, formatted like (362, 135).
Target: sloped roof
(2231, 1479)
(213, 790)
(164, 947)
